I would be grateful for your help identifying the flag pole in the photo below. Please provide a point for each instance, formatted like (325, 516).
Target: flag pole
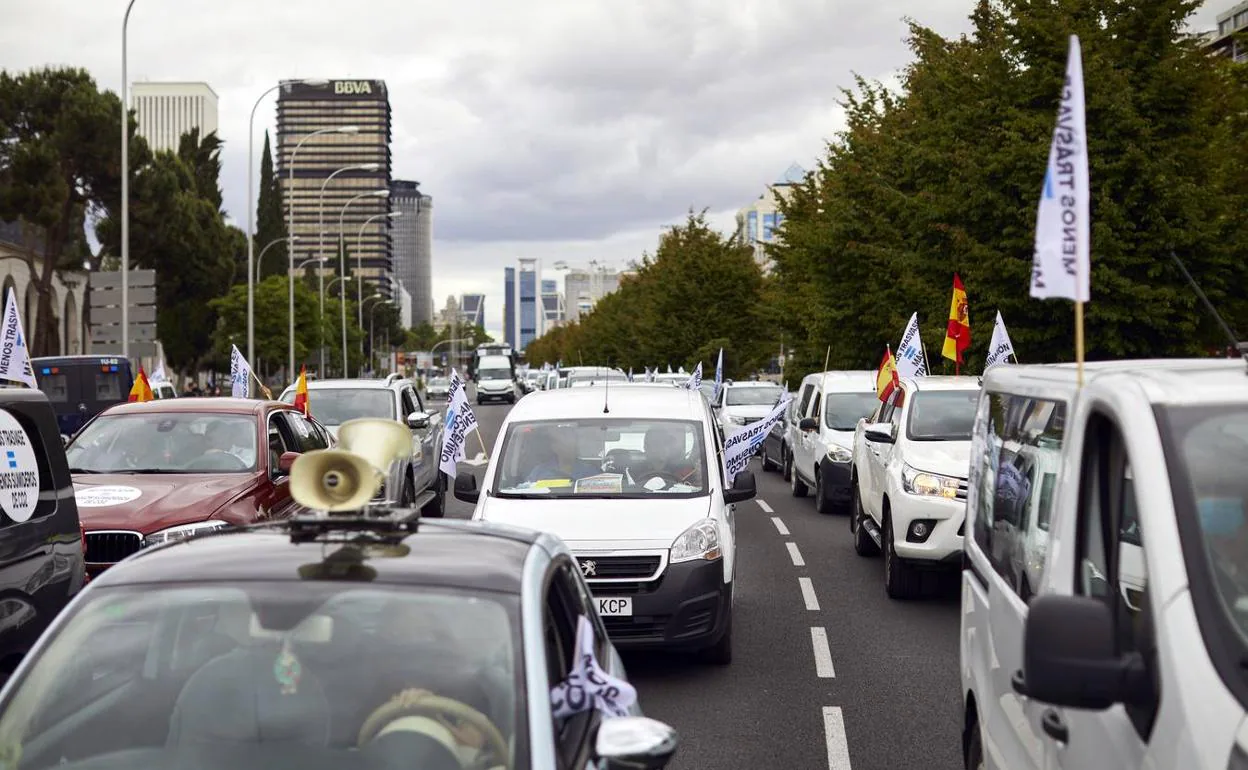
(1079, 342)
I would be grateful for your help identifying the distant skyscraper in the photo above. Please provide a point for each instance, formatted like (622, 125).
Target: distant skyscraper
(522, 322)
(305, 109)
(472, 309)
(761, 220)
(166, 111)
(413, 246)
(552, 304)
(583, 288)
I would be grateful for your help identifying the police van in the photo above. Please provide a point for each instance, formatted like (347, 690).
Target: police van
(1105, 578)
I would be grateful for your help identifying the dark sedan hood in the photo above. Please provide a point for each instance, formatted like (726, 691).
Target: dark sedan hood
(150, 503)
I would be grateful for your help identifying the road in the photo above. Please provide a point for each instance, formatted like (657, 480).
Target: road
(827, 671)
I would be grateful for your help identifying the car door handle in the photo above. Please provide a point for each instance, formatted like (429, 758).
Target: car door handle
(1054, 727)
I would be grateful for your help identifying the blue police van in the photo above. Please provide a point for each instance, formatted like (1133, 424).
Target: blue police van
(80, 387)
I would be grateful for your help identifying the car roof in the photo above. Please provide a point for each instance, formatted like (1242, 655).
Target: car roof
(843, 381)
(625, 400)
(471, 555)
(1066, 374)
(942, 382)
(1188, 382)
(354, 384)
(215, 405)
(752, 384)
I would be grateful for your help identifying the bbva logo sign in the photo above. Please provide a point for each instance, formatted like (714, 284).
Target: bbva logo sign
(352, 87)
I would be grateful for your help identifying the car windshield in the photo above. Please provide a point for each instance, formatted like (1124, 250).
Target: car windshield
(272, 675)
(494, 374)
(334, 406)
(589, 377)
(165, 442)
(439, 382)
(753, 396)
(942, 415)
(842, 411)
(1209, 446)
(603, 458)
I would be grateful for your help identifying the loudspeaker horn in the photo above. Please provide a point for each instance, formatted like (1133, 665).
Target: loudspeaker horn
(348, 477)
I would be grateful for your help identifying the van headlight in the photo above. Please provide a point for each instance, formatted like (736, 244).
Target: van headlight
(839, 454)
(183, 532)
(918, 482)
(701, 541)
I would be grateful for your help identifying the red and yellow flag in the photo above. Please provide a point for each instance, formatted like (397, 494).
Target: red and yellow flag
(958, 332)
(886, 379)
(141, 390)
(301, 392)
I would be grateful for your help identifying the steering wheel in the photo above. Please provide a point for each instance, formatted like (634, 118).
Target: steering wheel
(425, 703)
(196, 464)
(671, 479)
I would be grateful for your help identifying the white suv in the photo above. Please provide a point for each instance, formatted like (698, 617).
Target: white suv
(909, 479)
(630, 477)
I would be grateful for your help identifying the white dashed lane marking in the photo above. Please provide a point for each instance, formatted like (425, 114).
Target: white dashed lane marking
(834, 735)
(763, 504)
(780, 525)
(823, 656)
(795, 555)
(808, 593)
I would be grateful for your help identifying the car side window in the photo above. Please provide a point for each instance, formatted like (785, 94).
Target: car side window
(816, 408)
(807, 391)
(416, 399)
(897, 401)
(563, 608)
(306, 435)
(280, 441)
(409, 405)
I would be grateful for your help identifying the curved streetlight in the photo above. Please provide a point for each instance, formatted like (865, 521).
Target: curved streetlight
(329, 286)
(125, 193)
(383, 192)
(372, 314)
(264, 251)
(251, 211)
(290, 218)
(359, 262)
(320, 246)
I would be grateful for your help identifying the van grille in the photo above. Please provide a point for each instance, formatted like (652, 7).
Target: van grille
(619, 567)
(112, 547)
(962, 489)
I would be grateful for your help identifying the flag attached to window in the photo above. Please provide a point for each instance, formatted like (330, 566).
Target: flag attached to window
(886, 379)
(141, 390)
(958, 332)
(301, 392)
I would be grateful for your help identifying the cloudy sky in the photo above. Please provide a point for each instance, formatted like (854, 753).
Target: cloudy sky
(553, 129)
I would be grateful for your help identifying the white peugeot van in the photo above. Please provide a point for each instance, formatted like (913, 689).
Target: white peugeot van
(629, 476)
(1105, 581)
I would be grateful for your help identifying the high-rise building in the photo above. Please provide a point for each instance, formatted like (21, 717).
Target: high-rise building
(1222, 40)
(583, 288)
(522, 322)
(552, 304)
(472, 309)
(413, 246)
(766, 211)
(166, 111)
(327, 176)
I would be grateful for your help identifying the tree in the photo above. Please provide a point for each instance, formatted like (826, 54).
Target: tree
(59, 156)
(421, 337)
(270, 219)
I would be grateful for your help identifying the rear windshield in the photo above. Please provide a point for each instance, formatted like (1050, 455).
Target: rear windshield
(753, 396)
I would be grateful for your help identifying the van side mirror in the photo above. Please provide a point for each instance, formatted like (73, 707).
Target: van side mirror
(808, 424)
(1070, 656)
(634, 743)
(880, 433)
(743, 488)
(466, 489)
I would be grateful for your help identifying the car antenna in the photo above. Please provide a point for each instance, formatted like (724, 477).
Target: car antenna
(606, 391)
(1241, 347)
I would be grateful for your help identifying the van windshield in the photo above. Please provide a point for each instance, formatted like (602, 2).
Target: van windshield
(494, 374)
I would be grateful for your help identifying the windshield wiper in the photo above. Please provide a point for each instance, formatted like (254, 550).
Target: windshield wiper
(150, 470)
(86, 470)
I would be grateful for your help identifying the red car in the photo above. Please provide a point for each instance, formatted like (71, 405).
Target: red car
(164, 470)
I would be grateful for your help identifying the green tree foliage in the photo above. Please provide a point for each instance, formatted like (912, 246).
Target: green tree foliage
(700, 290)
(270, 216)
(60, 155)
(946, 176)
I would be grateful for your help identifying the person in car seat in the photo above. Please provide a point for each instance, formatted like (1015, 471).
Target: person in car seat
(664, 458)
(561, 461)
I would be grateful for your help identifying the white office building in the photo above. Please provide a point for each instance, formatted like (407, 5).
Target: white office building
(166, 111)
(761, 220)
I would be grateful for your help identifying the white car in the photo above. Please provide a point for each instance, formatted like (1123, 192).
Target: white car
(496, 380)
(630, 477)
(909, 479)
(820, 444)
(742, 403)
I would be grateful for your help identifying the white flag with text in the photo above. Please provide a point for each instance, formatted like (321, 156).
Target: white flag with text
(1000, 349)
(1062, 260)
(719, 375)
(240, 374)
(460, 421)
(910, 359)
(14, 357)
(744, 443)
(588, 686)
(695, 380)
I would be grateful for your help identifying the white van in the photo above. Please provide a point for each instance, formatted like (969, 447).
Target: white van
(496, 380)
(821, 443)
(1104, 601)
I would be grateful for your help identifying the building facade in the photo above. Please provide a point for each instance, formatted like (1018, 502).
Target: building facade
(69, 288)
(583, 288)
(166, 111)
(329, 188)
(522, 321)
(760, 221)
(472, 309)
(412, 237)
(553, 311)
(1222, 40)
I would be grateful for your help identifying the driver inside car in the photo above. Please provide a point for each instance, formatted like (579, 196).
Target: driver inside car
(236, 437)
(561, 461)
(664, 459)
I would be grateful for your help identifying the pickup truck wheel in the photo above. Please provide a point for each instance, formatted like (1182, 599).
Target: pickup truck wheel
(786, 464)
(863, 544)
(408, 497)
(436, 508)
(822, 503)
(768, 465)
(974, 758)
(796, 485)
(901, 581)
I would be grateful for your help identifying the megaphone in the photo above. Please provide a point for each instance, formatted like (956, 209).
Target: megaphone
(347, 478)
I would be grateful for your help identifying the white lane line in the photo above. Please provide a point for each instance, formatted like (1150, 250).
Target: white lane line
(823, 656)
(808, 593)
(763, 504)
(834, 735)
(780, 525)
(795, 555)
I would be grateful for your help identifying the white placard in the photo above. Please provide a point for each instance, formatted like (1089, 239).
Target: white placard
(102, 497)
(19, 471)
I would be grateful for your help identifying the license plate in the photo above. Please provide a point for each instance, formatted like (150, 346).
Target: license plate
(615, 605)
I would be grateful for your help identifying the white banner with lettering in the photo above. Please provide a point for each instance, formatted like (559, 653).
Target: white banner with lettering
(1062, 260)
(14, 357)
(460, 421)
(741, 445)
(1000, 349)
(910, 359)
(695, 380)
(587, 686)
(240, 374)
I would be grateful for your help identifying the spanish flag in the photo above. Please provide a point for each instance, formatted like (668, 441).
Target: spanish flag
(958, 332)
(886, 376)
(301, 392)
(141, 390)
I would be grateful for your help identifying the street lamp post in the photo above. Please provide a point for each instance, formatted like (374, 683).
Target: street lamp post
(343, 298)
(359, 262)
(320, 249)
(290, 218)
(125, 192)
(265, 250)
(383, 192)
(372, 352)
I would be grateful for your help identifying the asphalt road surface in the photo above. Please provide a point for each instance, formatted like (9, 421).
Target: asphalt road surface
(827, 671)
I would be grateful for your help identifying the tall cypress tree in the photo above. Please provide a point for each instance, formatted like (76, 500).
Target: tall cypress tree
(270, 220)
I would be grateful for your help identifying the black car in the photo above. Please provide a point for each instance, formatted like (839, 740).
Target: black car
(776, 445)
(42, 563)
(328, 642)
